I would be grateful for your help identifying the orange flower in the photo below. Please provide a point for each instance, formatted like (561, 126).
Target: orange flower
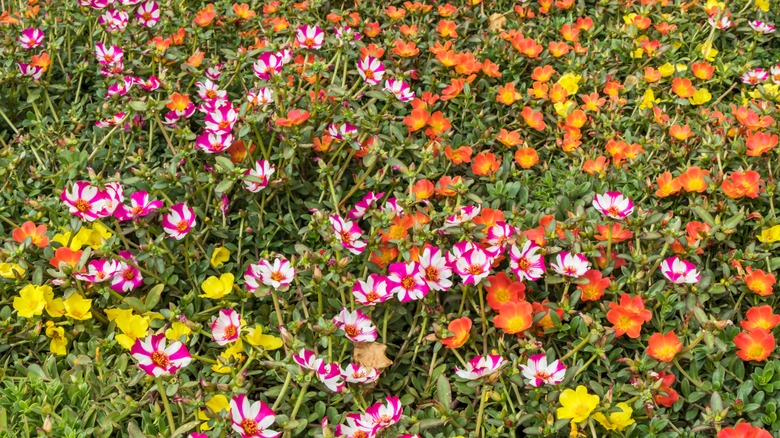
(592, 167)
(759, 143)
(438, 124)
(683, 87)
(702, 70)
(509, 139)
(576, 119)
(399, 230)
(395, 13)
(371, 30)
(558, 94)
(43, 61)
(533, 119)
(569, 32)
(243, 12)
(416, 120)
(491, 69)
(754, 345)
(384, 255)
(681, 133)
(372, 50)
(740, 184)
(594, 288)
(617, 233)
(592, 102)
(324, 143)
(294, 118)
(507, 94)
(205, 16)
(37, 234)
(628, 316)
(558, 49)
(178, 102)
(458, 156)
(751, 120)
(65, 255)
(409, 30)
(460, 329)
(760, 318)
(667, 185)
(485, 164)
(422, 189)
(446, 29)
(196, 59)
(445, 184)
(542, 74)
(489, 217)
(527, 46)
(539, 90)
(405, 50)
(546, 321)
(453, 90)
(447, 10)
(526, 157)
(514, 317)
(652, 75)
(692, 180)
(503, 290)
(759, 281)
(663, 347)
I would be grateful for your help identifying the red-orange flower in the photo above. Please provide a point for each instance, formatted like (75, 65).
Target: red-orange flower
(384, 255)
(444, 185)
(663, 347)
(453, 90)
(760, 318)
(594, 288)
(754, 345)
(503, 290)
(485, 164)
(759, 281)
(617, 233)
(628, 316)
(545, 322)
(422, 189)
(294, 118)
(509, 138)
(681, 133)
(405, 50)
(666, 395)
(438, 124)
(416, 120)
(491, 69)
(542, 74)
(36, 233)
(65, 255)
(667, 185)
(460, 329)
(489, 217)
(514, 317)
(743, 430)
(459, 155)
(205, 16)
(683, 87)
(526, 157)
(592, 167)
(692, 180)
(740, 184)
(507, 94)
(759, 143)
(533, 119)
(702, 70)
(446, 29)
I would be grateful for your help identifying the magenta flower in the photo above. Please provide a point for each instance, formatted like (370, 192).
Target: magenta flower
(356, 373)
(345, 131)
(755, 76)
(268, 64)
(84, 200)
(32, 71)
(407, 281)
(252, 420)
(306, 359)
(310, 37)
(179, 221)
(126, 277)
(140, 206)
(221, 119)
(214, 142)
(108, 55)
(497, 237)
(538, 372)
(400, 89)
(346, 34)
(99, 271)
(356, 325)
(210, 91)
(157, 358)
(761, 26)
(775, 73)
(330, 375)
(372, 291)
(114, 196)
(391, 205)
(277, 275)
(364, 204)
(260, 97)
(112, 121)
(679, 271)
(465, 214)
(435, 268)
(371, 70)
(148, 13)
(570, 264)
(114, 20)
(614, 205)
(257, 179)
(348, 234)
(31, 38)
(226, 327)
(213, 72)
(481, 366)
(385, 414)
(526, 263)
(358, 426)
(473, 265)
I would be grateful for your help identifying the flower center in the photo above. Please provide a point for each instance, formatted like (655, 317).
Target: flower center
(160, 359)
(231, 331)
(224, 124)
(502, 295)
(431, 273)
(137, 210)
(372, 296)
(543, 375)
(211, 94)
(369, 74)
(351, 330)
(182, 226)
(146, 16)
(128, 274)
(408, 282)
(475, 269)
(523, 264)
(249, 426)
(82, 205)
(570, 270)
(308, 42)
(346, 237)
(277, 276)
(613, 211)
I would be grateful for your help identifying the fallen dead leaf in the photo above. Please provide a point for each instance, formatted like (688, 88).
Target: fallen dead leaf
(496, 22)
(371, 355)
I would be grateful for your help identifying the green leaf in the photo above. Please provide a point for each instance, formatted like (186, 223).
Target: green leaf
(153, 297)
(225, 163)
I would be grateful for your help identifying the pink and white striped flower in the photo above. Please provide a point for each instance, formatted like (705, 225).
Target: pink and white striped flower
(457, 251)
(226, 328)
(364, 204)
(310, 37)
(179, 221)
(679, 271)
(570, 265)
(526, 263)
(371, 70)
(140, 206)
(213, 72)
(252, 420)
(126, 277)
(256, 179)
(268, 64)
(148, 13)
(157, 358)
(108, 55)
(356, 373)
(473, 266)
(614, 205)
(497, 237)
(277, 275)
(306, 359)
(371, 291)
(114, 196)
(721, 23)
(435, 268)
(261, 97)
(465, 214)
(346, 34)
(356, 325)
(356, 427)
(99, 4)
(348, 233)
(774, 74)
(84, 200)
(407, 281)
(330, 375)
(99, 271)
(755, 76)
(539, 372)
(761, 26)
(214, 142)
(345, 131)
(31, 38)
(400, 89)
(111, 121)
(222, 118)
(481, 366)
(391, 205)
(150, 84)
(385, 414)
(208, 90)
(31, 71)
(114, 20)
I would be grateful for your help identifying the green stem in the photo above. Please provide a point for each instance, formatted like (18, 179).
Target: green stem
(283, 392)
(481, 411)
(167, 406)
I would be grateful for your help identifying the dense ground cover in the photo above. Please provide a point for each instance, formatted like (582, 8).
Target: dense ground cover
(356, 219)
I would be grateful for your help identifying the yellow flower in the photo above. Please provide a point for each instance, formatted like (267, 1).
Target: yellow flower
(617, 420)
(77, 307)
(132, 326)
(205, 418)
(564, 108)
(219, 403)
(234, 351)
(715, 3)
(666, 70)
(219, 257)
(577, 405)
(770, 235)
(766, 91)
(216, 288)
(7, 270)
(64, 237)
(569, 82)
(763, 5)
(30, 301)
(702, 95)
(59, 343)
(55, 307)
(708, 51)
(177, 330)
(629, 18)
(648, 100)
(94, 237)
(256, 337)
